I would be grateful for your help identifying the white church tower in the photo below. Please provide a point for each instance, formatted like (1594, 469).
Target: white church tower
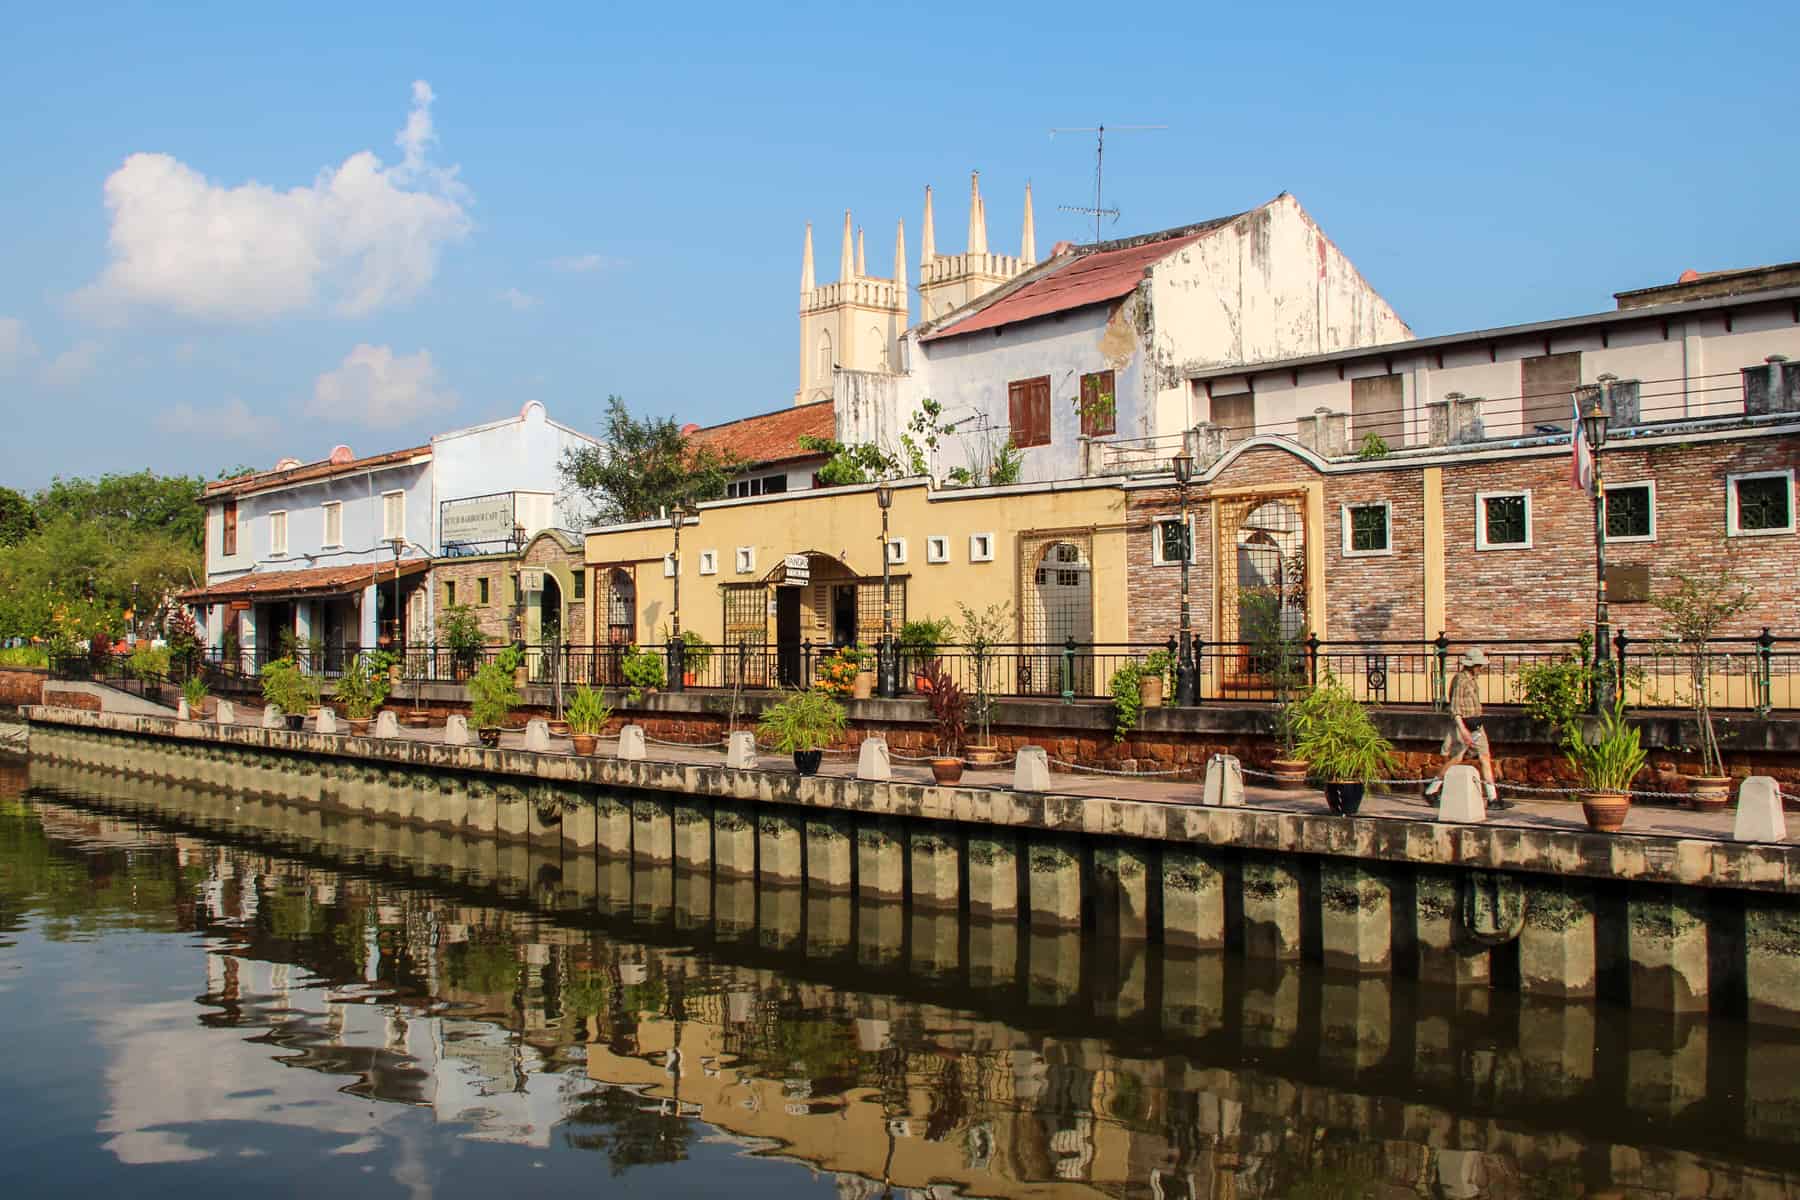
(949, 281)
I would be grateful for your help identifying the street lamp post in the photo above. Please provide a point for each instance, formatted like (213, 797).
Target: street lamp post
(1186, 675)
(1593, 428)
(889, 684)
(394, 638)
(678, 513)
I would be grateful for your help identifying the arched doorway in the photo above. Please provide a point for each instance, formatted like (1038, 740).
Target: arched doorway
(1059, 608)
(1263, 605)
(825, 605)
(621, 625)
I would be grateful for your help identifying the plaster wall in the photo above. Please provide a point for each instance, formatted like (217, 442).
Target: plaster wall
(519, 454)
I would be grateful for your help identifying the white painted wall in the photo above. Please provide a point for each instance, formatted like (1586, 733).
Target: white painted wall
(518, 454)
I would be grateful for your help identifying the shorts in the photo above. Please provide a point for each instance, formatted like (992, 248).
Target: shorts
(1453, 743)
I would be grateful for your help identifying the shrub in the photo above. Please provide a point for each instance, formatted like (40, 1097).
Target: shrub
(493, 692)
(809, 720)
(147, 662)
(1127, 688)
(587, 712)
(460, 630)
(288, 688)
(948, 706)
(643, 670)
(364, 685)
(837, 671)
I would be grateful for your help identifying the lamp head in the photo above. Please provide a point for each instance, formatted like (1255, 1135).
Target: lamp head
(1184, 468)
(1594, 425)
(884, 495)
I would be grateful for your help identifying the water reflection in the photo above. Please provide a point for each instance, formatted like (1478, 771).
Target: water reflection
(355, 1004)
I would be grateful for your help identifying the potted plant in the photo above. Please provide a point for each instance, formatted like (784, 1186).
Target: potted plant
(980, 633)
(1156, 678)
(196, 697)
(836, 674)
(644, 671)
(695, 655)
(362, 688)
(588, 715)
(1696, 609)
(1343, 750)
(919, 642)
(948, 707)
(493, 694)
(1606, 764)
(803, 724)
(460, 630)
(289, 689)
(1127, 689)
(1276, 656)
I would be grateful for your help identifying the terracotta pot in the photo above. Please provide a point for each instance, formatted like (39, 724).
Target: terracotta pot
(1289, 773)
(1605, 811)
(982, 756)
(687, 679)
(359, 726)
(558, 728)
(922, 683)
(807, 761)
(585, 742)
(946, 770)
(209, 707)
(864, 687)
(1708, 793)
(416, 720)
(489, 735)
(1151, 688)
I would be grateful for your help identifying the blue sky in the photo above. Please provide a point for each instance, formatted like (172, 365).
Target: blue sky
(214, 247)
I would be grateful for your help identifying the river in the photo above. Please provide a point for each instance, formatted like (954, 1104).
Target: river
(188, 1007)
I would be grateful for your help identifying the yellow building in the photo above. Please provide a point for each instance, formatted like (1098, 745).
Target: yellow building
(806, 567)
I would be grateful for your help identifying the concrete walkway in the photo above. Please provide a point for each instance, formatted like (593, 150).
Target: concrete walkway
(113, 700)
(1547, 813)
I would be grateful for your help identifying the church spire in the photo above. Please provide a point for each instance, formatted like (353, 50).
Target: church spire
(977, 216)
(900, 260)
(846, 259)
(806, 263)
(1028, 242)
(927, 239)
(862, 262)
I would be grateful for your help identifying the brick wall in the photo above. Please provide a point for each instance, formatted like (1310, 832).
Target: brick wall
(496, 615)
(21, 685)
(58, 698)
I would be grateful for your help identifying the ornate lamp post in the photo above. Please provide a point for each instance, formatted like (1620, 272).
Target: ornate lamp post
(678, 512)
(398, 544)
(1593, 428)
(885, 664)
(1187, 682)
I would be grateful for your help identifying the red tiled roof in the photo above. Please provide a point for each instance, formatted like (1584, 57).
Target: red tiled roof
(1091, 277)
(771, 437)
(244, 485)
(315, 581)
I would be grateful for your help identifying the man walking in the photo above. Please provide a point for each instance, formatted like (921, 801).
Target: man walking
(1467, 733)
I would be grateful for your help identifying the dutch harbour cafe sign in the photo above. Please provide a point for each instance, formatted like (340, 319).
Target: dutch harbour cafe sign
(478, 519)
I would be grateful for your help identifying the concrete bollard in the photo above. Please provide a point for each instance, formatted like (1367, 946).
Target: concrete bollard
(537, 735)
(387, 725)
(181, 710)
(631, 742)
(1031, 770)
(1461, 801)
(456, 730)
(740, 751)
(225, 713)
(1759, 815)
(327, 721)
(872, 761)
(272, 718)
(1224, 782)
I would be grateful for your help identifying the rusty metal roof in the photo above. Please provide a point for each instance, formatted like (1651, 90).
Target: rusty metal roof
(771, 437)
(315, 581)
(261, 481)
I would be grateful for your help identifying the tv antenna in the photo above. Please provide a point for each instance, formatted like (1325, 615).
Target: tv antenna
(1099, 208)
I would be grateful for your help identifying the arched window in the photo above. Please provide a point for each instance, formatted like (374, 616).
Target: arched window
(878, 350)
(825, 358)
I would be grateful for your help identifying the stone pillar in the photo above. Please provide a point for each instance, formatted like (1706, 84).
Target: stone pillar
(828, 916)
(993, 873)
(936, 943)
(779, 832)
(653, 829)
(612, 827)
(993, 949)
(1772, 958)
(779, 913)
(511, 820)
(482, 804)
(1194, 884)
(734, 905)
(880, 930)
(936, 867)
(829, 853)
(881, 860)
(1271, 907)
(1122, 890)
(734, 844)
(1271, 1003)
(691, 821)
(1356, 1025)
(1667, 932)
(1054, 866)
(1193, 995)
(693, 900)
(1444, 957)
(1356, 901)
(1557, 954)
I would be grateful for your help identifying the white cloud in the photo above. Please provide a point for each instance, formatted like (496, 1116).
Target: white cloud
(361, 236)
(583, 264)
(15, 345)
(233, 419)
(520, 301)
(73, 365)
(375, 387)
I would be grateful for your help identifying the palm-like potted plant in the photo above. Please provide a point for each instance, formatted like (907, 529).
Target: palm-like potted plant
(1344, 752)
(195, 696)
(1696, 609)
(948, 709)
(362, 689)
(919, 642)
(1606, 763)
(588, 715)
(695, 655)
(803, 724)
(493, 694)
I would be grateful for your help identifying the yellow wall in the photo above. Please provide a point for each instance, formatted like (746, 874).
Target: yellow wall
(845, 523)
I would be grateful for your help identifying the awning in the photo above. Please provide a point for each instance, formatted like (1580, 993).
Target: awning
(318, 581)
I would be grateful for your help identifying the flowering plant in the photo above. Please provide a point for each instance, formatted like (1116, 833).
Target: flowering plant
(837, 671)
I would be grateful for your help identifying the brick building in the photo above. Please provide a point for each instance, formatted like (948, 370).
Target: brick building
(537, 594)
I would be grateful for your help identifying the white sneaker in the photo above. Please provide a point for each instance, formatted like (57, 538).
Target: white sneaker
(1433, 788)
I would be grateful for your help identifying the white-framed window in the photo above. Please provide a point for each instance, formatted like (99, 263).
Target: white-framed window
(668, 566)
(278, 533)
(937, 548)
(709, 562)
(1367, 529)
(1168, 543)
(1631, 511)
(1503, 520)
(334, 523)
(981, 547)
(746, 559)
(393, 515)
(1759, 503)
(896, 551)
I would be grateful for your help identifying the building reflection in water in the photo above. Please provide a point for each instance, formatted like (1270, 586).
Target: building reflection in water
(513, 1024)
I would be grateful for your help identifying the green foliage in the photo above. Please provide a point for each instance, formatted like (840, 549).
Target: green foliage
(24, 656)
(863, 462)
(1610, 761)
(979, 633)
(1336, 736)
(1277, 657)
(587, 712)
(195, 692)
(586, 993)
(78, 578)
(949, 707)
(18, 520)
(923, 432)
(1695, 610)
(808, 720)
(1558, 692)
(148, 663)
(643, 670)
(493, 690)
(1127, 688)
(642, 467)
(1161, 663)
(486, 964)
(1008, 464)
(144, 503)
(365, 684)
(289, 688)
(1373, 446)
(919, 640)
(695, 653)
(460, 629)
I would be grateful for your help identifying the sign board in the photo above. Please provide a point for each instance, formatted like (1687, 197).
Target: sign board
(531, 579)
(798, 571)
(477, 519)
(1627, 584)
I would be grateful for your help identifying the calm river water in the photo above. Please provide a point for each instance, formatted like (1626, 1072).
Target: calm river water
(189, 1008)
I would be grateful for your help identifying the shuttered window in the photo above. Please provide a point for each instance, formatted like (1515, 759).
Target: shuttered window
(228, 532)
(1099, 405)
(393, 515)
(1028, 410)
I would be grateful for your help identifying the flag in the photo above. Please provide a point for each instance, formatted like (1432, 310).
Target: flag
(1581, 462)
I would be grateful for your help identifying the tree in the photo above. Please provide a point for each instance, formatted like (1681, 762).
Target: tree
(862, 462)
(142, 502)
(75, 578)
(1697, 607)
(17, 518)
(642, 467)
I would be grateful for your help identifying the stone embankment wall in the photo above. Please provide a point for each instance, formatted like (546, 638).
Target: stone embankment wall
(21, 685)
